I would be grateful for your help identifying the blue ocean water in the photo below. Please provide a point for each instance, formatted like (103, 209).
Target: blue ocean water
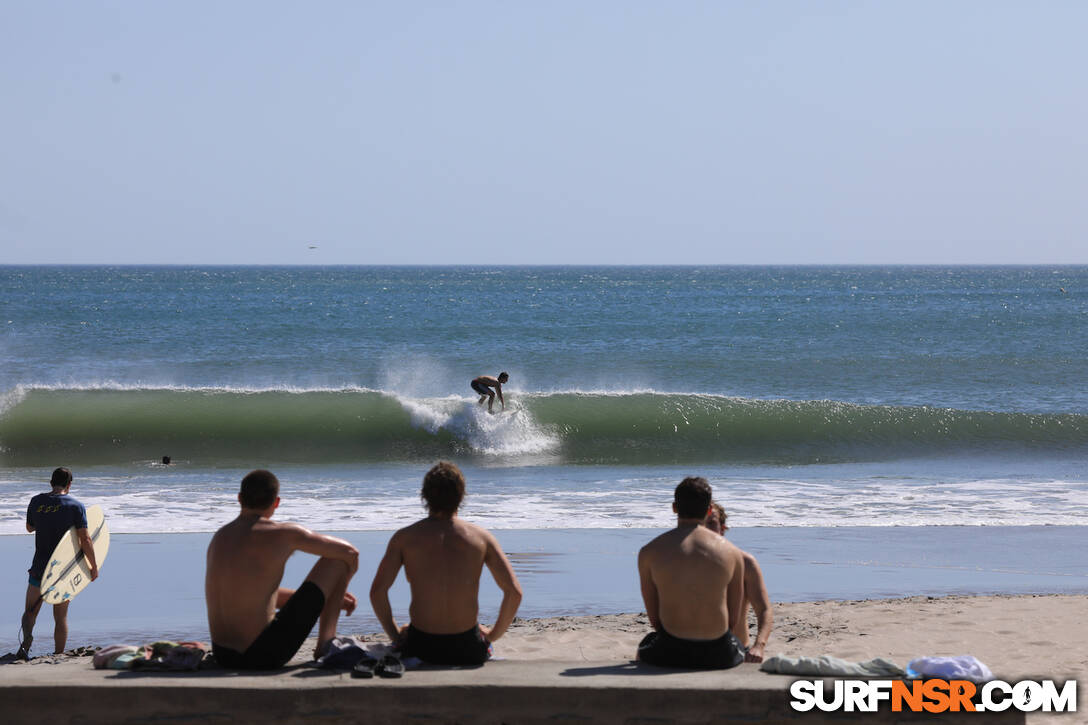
(809, 396)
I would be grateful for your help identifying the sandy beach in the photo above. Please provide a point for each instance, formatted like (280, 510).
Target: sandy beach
(1018, 637)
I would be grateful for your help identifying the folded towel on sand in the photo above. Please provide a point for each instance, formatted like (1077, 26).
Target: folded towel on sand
(964, 667)
(827, 666)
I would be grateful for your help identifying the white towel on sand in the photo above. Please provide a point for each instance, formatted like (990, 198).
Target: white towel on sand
(828, 666)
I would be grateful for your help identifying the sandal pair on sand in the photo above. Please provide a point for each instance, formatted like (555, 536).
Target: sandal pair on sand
(387, 666)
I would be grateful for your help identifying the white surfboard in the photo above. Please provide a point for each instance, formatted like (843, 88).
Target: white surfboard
(67, 572)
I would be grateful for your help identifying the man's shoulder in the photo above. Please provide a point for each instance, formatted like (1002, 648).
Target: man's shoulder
(428, 527)
(271, 527)
(470, 527)
(475, 534)
(663, 536)
(750, 561)
(406, 535)
(412, 528)
(261, 527)
(727, 547)
(659, 542)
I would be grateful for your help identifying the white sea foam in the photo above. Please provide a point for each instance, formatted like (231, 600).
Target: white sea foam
(431, 415)
(172, 499)
(510, 433)
(10, 398)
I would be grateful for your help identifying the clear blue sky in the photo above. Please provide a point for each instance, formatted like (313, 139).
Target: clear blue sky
(543, 132)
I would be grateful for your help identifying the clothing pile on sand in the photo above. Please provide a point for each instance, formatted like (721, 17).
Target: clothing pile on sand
(162, 655)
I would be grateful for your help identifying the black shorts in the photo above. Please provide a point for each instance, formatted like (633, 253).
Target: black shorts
(467, 648)
(662, 649)
(280, 640)
(481, 388)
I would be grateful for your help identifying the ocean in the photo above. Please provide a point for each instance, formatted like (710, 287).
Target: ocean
(925, 412)
(808, 396)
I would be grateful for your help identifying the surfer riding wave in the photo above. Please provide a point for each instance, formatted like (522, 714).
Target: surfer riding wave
(483, 386)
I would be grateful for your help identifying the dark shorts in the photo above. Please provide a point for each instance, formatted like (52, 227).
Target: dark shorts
(664, 650)
(280, 640)
(34, 581)
(481, 388)
(467, 648)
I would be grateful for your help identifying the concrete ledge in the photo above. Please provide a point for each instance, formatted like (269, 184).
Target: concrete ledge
(529, 693)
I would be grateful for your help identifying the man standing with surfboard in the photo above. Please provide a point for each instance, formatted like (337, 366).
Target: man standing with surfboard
(49, 517)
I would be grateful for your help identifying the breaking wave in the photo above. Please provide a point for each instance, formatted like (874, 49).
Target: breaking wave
(111, 424)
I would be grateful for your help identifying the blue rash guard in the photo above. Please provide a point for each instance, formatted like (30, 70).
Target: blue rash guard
(51, 515)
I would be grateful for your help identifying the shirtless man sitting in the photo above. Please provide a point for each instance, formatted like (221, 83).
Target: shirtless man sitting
(692, 582)
(242, 585)
(483, 384)
(755, 594)
(443, 557)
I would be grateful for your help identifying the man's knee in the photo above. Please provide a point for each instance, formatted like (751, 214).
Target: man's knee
(60, 613)
(329, 574)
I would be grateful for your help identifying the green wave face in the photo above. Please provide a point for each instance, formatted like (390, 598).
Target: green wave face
(676, 428)
(85, 426)
(105, 426)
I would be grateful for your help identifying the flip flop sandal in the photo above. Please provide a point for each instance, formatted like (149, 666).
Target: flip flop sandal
(364, 669)
(390, 666)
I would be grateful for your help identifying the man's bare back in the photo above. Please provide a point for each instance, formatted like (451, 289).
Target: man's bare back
(691, 569)
(443, 557)
(443, 560)
(245, 564)
(692, 580)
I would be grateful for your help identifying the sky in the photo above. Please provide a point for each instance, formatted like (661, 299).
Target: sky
(560, 132)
